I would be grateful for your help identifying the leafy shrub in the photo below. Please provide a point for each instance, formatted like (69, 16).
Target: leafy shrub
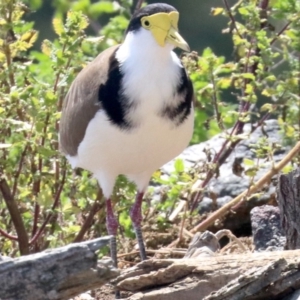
(43, 203)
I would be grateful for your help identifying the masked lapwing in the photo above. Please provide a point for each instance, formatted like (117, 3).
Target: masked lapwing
(131, 110)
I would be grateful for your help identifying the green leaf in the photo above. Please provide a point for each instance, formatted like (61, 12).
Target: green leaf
(266, 107)
(216, 11)
(94, 40)
(249, 89)
(224, 82)
(243, 11)
(248, 162)
(251, 172)
(47, 47)
(268, 92)
(50, 97)
(58, 26)
(102, 7)
(248, 76)
(179, 165)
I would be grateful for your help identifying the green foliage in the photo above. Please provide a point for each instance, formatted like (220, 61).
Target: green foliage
(265, 69)
(262, 80)
(32, 87)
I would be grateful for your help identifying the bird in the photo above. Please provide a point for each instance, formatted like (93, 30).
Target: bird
(130, 110)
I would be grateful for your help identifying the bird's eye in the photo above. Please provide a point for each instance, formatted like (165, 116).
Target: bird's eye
(146, 23)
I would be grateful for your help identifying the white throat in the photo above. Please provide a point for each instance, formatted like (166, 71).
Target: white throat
(151, 73)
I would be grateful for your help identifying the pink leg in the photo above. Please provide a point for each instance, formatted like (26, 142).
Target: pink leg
(111, 222)
(136, 217)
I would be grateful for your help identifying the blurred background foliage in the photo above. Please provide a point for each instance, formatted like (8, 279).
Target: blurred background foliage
(247, 70)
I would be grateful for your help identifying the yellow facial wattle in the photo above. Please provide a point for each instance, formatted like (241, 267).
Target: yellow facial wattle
(164, 28)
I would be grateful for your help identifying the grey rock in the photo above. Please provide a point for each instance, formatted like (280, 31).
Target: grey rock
(228, 185)
(202, 244)
(267, 231)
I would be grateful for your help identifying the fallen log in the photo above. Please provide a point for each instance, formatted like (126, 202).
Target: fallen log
(56, 274)
(249, 276)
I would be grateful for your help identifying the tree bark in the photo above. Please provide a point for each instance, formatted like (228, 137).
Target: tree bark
(57, 274)
(249, 276)
(288, 197)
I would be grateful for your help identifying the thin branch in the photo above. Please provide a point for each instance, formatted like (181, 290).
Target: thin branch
(37, 183)
(284, 28)
(231, 18)
(16, 177)
(18, 173)
(88, 222)
(215, 102)
(15, 216)
(9, 236)
(258, 185)
(264, 4)
(50, 214)
(7, 53)
(35, 219)
(138, 5)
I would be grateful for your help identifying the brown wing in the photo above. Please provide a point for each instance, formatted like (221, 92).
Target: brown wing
(81, 103)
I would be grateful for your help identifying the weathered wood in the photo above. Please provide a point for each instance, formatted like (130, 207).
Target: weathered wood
(288, 197)
(252, 282)
(56, 274)
(266, 275)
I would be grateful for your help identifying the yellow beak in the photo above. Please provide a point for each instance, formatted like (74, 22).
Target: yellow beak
(163, 27)
(174, 38)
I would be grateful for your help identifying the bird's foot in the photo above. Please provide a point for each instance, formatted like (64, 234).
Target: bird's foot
(112, 225)
(139, 237)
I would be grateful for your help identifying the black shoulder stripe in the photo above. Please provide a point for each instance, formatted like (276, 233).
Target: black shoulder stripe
(110, 95)
(181, 111)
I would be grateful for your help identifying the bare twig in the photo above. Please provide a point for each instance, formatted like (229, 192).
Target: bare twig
(7, 235)
(88, 222)
(284, 28)
(14, 189)
(231, 236)
(138, 5)
(50, 214)
(35, 219)
(215, 101)
(15, 216)
(166, 251)
(231, 18)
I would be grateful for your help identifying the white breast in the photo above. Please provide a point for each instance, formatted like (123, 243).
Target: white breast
(108, 151)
